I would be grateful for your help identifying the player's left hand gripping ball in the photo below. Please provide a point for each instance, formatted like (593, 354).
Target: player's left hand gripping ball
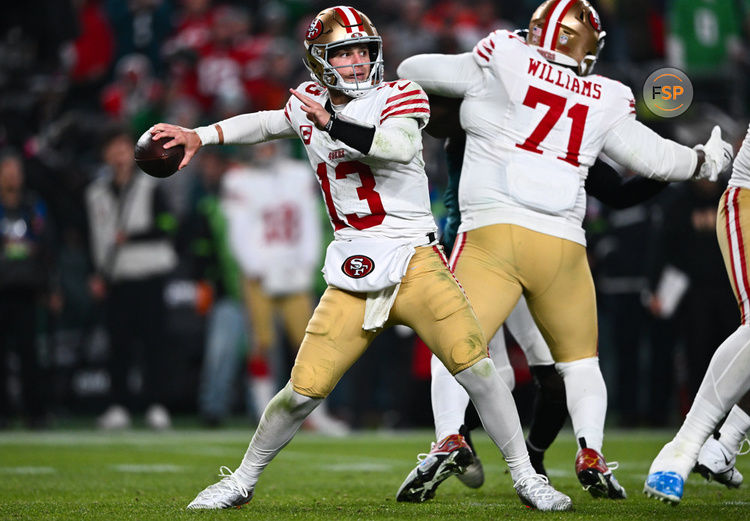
(154, 159)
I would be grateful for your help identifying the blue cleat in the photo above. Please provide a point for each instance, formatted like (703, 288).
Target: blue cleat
(664, 486)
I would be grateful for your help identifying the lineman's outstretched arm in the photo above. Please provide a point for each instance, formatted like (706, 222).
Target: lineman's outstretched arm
(448, 75)
(635, 146)
(639, 148)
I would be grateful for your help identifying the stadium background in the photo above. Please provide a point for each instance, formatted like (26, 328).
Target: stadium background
(68, 69)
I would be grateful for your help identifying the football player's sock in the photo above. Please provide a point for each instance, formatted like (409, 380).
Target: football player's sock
(280, 421)
(449, 400)
(451, 406)
(734, 430)
(586, 396)
(499, 356)
(726, 380)
(497, 409)
(550, 410)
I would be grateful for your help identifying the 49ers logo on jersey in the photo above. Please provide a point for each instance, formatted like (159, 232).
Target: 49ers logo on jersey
(316, 27)
(305, 131)
(357, 266)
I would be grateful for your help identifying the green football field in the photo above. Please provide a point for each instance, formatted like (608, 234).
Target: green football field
(140, 475)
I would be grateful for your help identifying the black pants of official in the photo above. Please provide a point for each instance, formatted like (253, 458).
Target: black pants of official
(135, 323)
(18, 323)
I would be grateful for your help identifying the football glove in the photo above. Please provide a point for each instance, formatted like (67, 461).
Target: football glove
(718, 156)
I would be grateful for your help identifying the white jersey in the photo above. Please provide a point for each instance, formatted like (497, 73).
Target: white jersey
(741, 168)
(533, 130)
(274, 225)
(365, 196)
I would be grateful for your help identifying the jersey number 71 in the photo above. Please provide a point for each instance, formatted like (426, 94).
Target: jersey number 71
(577, 113)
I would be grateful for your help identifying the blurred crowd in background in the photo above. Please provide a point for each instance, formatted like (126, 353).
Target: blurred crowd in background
(122, 295)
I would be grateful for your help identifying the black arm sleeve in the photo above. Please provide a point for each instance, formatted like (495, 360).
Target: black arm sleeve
(355, 135)
(604, 183)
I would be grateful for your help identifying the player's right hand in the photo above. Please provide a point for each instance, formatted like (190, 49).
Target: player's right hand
(718, 156)
(181, 136)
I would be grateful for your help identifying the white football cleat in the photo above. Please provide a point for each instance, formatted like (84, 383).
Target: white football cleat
(157, 417)
(227, 493)
(716, 462)
(536, 492)
(115, 418)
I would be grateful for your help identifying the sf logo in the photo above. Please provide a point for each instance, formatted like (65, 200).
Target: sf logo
(357, 266)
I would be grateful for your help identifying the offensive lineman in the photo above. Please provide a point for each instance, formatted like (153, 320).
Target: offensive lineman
(362, 136)
(535, 122)
(727, 378)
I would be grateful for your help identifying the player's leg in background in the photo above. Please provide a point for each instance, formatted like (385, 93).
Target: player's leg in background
(296, 310)
(550, 408)
(226, 333)
(334, 340)
(261, 383)
(717, 458)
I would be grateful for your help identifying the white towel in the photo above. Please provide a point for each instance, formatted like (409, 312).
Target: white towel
(378, 307)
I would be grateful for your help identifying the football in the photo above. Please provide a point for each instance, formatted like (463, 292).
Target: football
(154, 159)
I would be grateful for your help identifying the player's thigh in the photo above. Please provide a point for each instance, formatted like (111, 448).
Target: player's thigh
(296, 310)
(487, 275)
(334, 340)
(431, 302)
(733, 234)
(562, 301)
(260, 312)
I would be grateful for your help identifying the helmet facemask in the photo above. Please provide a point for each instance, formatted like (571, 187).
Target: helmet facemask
(332, 29)
(331, 77)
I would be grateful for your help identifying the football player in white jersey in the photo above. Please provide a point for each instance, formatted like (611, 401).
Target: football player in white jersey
(271, 206)
(727, 378)
(362, 136)
(536, 120)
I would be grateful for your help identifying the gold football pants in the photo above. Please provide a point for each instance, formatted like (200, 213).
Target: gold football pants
(733, 233)
(430, 301)
(295, 310)
(496, 263)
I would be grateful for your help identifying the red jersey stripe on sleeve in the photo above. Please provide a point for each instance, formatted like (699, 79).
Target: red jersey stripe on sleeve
(417, 110)
(404, 95)
(415, 101)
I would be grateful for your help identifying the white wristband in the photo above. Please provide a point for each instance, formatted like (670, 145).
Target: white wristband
(209, 135)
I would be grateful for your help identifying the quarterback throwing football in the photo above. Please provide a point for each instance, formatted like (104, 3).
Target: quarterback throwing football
(362, 136)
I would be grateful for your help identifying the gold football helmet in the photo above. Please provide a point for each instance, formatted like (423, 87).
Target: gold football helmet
(567, 32)
(337, 27)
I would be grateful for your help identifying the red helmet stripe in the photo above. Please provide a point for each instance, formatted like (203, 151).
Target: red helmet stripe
(546, 22)
(558, 24)
(552, 27)
(350, 18)
(358, 20)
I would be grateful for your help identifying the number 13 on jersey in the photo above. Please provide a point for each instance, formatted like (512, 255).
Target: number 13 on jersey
(366, 192)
